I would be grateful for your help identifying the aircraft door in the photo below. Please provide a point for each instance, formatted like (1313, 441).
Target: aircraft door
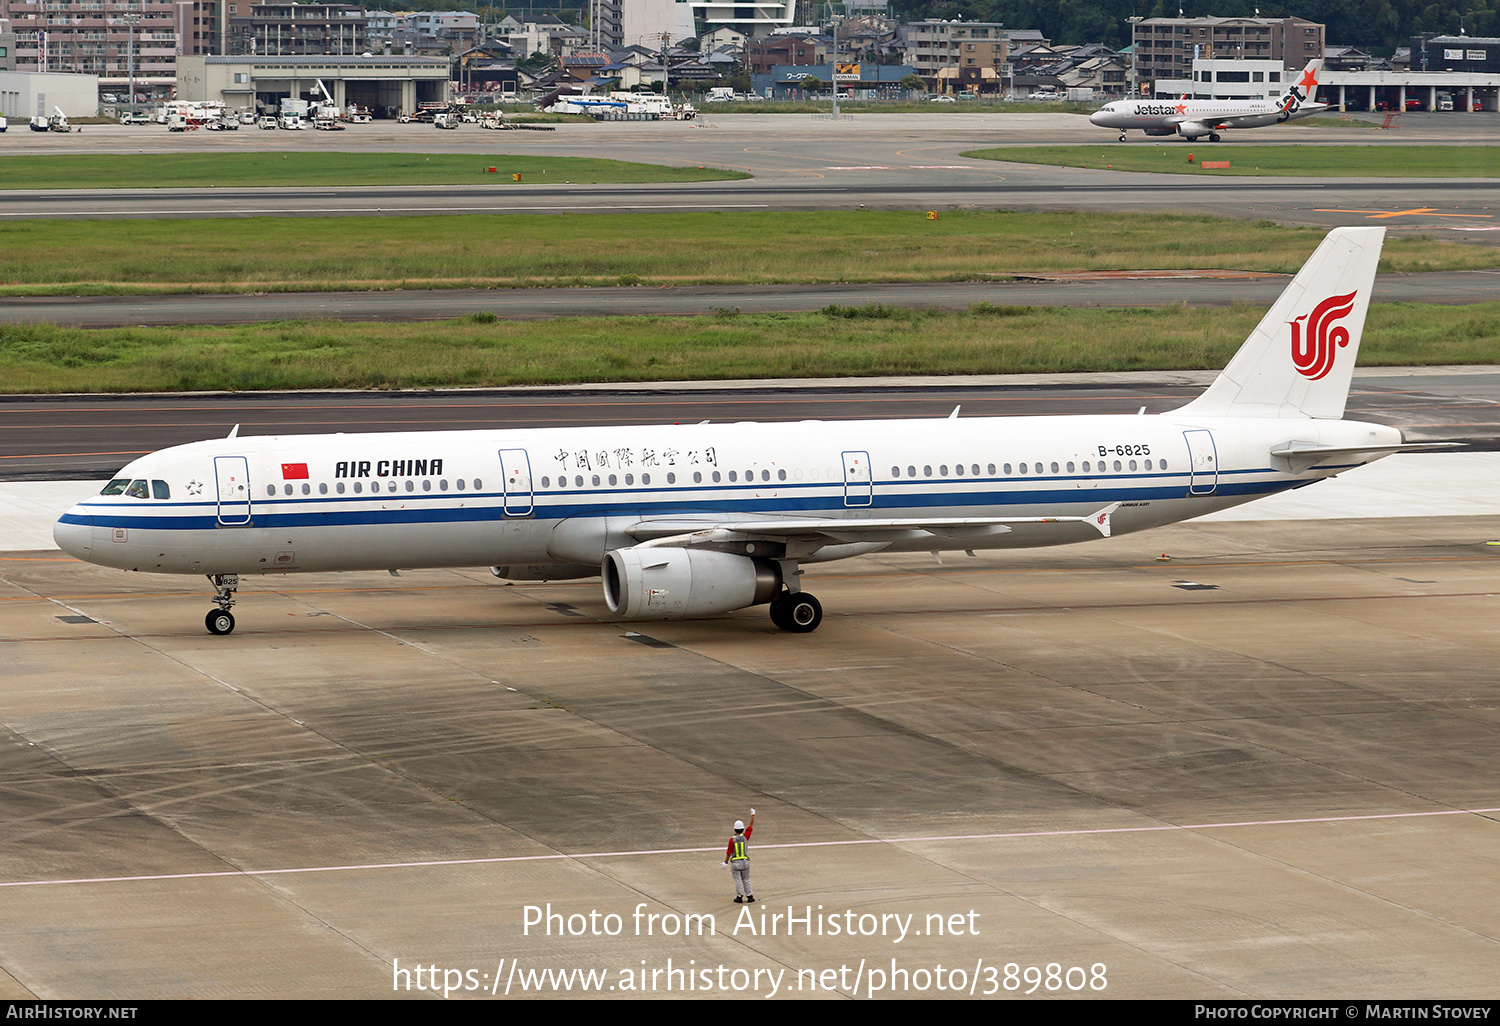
(515, 469)
(859, 484)
(1203, 459)
(232, 478)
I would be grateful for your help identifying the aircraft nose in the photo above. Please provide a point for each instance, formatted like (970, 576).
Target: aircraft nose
(74, 533)
(1096, 118)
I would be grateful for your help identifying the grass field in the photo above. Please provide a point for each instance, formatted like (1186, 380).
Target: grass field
(867, 341)
(1341, 161)
(224, 170)
(294, 254)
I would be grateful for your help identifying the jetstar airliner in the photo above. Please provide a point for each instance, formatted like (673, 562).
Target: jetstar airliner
(1192, 119)
(697, 520)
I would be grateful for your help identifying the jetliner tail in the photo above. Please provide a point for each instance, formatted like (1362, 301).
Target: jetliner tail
(1299, 360)
(1305, 91)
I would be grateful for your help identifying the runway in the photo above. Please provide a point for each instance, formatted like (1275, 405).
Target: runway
(801, 162)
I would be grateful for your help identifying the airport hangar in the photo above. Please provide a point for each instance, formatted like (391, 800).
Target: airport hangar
(250, 82)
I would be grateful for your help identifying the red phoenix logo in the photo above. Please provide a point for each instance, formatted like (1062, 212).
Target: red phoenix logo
(1313, 352)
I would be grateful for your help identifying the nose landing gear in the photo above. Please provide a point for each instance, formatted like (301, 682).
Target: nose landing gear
(221, 620)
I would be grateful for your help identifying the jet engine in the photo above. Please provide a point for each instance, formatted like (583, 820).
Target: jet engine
(1192, 129)
(663, 583)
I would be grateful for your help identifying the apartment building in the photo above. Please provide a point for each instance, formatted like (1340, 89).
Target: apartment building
(1165, 47)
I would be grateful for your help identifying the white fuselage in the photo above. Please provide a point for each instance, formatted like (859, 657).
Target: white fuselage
(284, 504)
(1193, 118)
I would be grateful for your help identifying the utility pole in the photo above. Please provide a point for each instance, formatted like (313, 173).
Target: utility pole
(131, 20)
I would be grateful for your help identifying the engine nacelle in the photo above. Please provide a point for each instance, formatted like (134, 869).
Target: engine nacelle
(660, 583)
(1193, 129)
(544, 571)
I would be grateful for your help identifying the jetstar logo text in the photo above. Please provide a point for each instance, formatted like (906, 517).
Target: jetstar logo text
(1313, 344)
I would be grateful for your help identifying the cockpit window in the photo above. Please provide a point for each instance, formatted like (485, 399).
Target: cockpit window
(116, 486)
(138, 490)
(159, 490)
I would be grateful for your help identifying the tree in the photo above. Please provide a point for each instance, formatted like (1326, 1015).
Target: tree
(812, 84)
(913, 82)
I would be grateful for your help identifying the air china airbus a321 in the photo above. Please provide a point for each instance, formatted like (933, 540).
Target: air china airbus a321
(1192, 119)
(684, 521)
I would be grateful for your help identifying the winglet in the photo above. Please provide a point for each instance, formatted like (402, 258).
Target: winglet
(1101, 519)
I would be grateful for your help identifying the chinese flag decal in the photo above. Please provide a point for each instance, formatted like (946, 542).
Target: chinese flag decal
(294, 471)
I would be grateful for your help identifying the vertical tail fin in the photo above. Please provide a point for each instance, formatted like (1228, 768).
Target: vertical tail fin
(1298, 361)
(1305, 91)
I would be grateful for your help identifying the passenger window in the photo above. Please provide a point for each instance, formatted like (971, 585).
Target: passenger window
(1162, 465)
(781, 475)
(716, 477)
(159, 490)
(943, 470)
(895, 471)
(733, 476)
(287, 489)
(976, 470)
(992, 470)
(307, 489)
(697, 477)
(459, 484)
(1022, 466)
(577, 482)
(1038, 468)
(1117, 466)
(1007, 470)
(478, 484)
(359, 487)
(270, 489)
(671, 478)
(390, 486)
(595, 480)
(1132, 464)
(765, 475)
(443, 483)
(630, 479)
(926, 471)
(339, 488)
(323, 488)
(1054, 468)
(645, 479)
(613, 479)
(546, 482)
(1148, 464)
(911, 471)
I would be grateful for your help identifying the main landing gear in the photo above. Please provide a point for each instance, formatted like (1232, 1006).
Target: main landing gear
(1213, 136)
(1122, 136)
(797, 612)
(221, 620)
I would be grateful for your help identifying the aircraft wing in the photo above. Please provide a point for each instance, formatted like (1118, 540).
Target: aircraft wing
(684, 532)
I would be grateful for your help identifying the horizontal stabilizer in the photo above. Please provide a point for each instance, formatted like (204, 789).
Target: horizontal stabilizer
(1305, 455)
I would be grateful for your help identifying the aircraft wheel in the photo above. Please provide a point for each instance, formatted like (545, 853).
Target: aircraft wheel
(1213, 137)
(803, 613)
(1122, 136)
(778, 611)
(219, 621)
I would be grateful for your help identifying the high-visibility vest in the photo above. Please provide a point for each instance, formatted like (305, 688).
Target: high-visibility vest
(739, 849)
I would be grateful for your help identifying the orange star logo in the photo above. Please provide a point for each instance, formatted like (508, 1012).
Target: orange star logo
(1309, 79)
(1181, 108)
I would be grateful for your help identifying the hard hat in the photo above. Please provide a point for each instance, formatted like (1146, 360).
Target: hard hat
(739, 824)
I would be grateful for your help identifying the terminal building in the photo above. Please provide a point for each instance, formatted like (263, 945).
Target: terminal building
(386, 85)
(1393, 89)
